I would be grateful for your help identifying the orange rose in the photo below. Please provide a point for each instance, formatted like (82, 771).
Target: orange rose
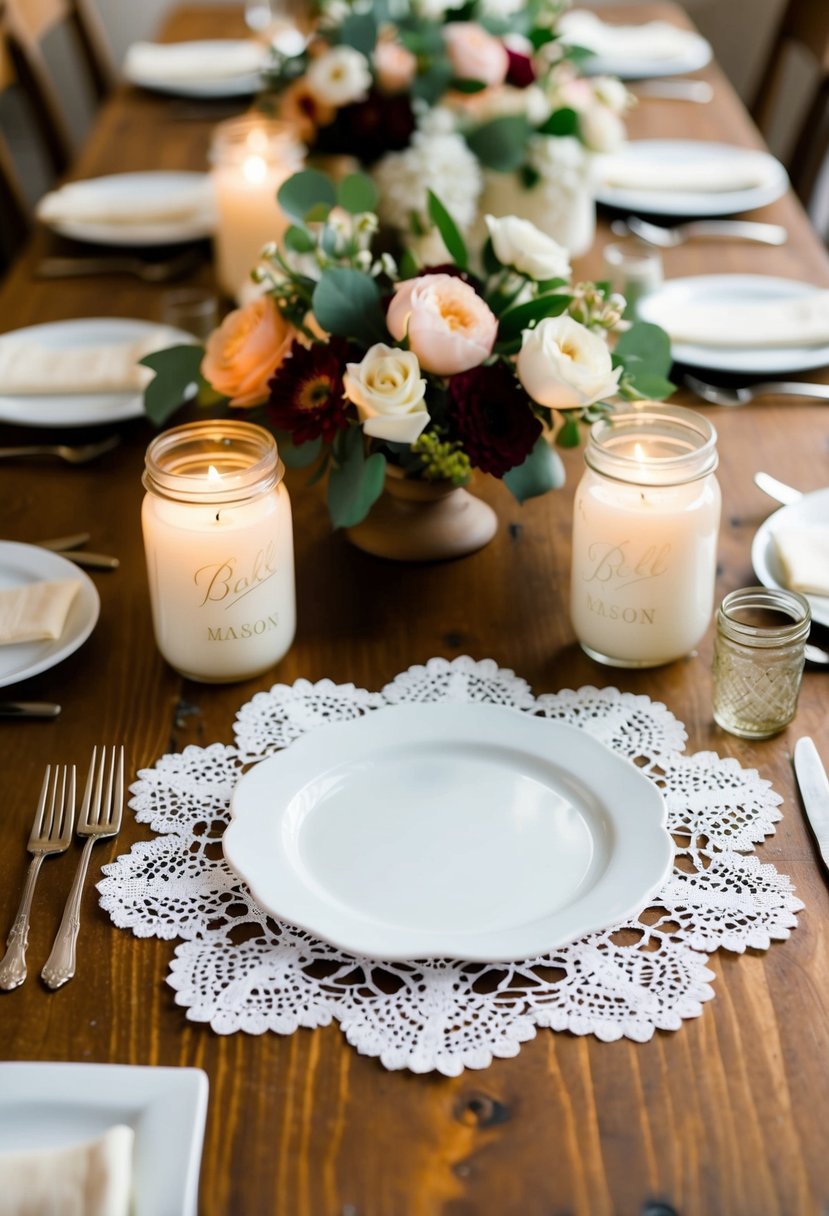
(245, 351)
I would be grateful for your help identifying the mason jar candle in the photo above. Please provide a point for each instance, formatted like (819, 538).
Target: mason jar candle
(251, 157)
(218, 540)
(645, 525)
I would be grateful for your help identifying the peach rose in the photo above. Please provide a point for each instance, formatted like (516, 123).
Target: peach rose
(245, 351)
(448, 325)
(474, 54)
(302, 110)
(394, 65)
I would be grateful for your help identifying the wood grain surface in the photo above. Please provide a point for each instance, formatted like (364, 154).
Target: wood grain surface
(727, 1115)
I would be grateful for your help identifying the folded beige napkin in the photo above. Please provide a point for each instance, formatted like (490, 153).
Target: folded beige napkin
(651, 40)
(742, 171)
(803, 321)
(36, 611)
(93, 1179)
(27, 367)
(195, 62)
(804, 555)
(86, 202)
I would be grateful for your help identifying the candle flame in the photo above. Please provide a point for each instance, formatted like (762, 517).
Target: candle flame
(214, 476)
(639, 453)
(255, 170)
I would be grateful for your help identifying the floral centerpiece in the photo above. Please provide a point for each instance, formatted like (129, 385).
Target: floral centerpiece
(480, 102)
(358, 361)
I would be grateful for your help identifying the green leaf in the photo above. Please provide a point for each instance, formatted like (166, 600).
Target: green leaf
(489, 261)
(357, 193)
(408, 265)
(299, 240)
(655, 387)
(541, 472)
(347, 303)
(297, 455)
(466, 86)
(569, 436)
(356, 483)
(448, 230)
(359, 30)
(645, 348)
(429, 86)
(540, 36)
(319, 213)
(501, 143)
(515, 320)
(176, 369)
(304, 191)
(561, 122)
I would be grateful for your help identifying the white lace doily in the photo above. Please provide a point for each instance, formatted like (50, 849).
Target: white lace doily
(237, 969)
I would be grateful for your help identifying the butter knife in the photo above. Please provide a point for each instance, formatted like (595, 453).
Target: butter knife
(28, 709)
(814, 791)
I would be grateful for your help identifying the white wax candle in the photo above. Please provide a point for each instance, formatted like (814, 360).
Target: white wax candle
(221, 583)
(644, 567)
(248, 215)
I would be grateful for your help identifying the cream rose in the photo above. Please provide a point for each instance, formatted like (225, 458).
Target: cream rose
(244, 352)
(339, 76)
(395, 66)
(449, 327)
(474, 54)
(388, 390)
(601, 129)
(563, 365)
(520, 244)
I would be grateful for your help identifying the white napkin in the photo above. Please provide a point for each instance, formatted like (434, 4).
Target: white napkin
(802, 321)
(86, 202)
(92, 1179)
(804, 555)
(27, 367)
(651, 40)
(170, 62)
(36, 611)
(742, 171)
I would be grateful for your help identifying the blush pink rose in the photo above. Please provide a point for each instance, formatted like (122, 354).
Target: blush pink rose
(394, 66)
(244, 352)
(474, 54)
(448, 325)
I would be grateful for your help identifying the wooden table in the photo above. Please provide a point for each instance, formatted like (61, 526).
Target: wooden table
(727, 1115)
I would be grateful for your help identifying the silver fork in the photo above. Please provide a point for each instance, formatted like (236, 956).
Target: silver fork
(767, 388)
(51, 833)
(668, 238)
(80, 454)
(100, 816)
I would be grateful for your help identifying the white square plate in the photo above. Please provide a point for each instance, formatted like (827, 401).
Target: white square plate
(55, 1105)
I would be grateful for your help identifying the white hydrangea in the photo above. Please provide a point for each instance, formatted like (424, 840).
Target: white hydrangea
(500, 9)
(435, 160)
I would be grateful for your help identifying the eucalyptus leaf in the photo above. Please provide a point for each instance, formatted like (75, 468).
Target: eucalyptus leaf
(176, 369)
(297, 455)
(357, 193)
(430, 85)
(356, 483)
(648, 384)
(541, 472)
(304, 191)
(501, 143)
(299, 240)
(359, 30)
(647, 346)
(448, 230)
(347, 303)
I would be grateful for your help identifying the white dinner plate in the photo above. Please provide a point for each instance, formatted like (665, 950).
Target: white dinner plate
(617, 48)
(137, 188)
(808, 510)
(438, 830)
(79, 409)
(690, 202)
(56, 1105)
(737, 290)
(242, 85)
(23, 564)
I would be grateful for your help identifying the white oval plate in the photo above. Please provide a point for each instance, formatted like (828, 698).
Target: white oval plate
(690, 202)
(138, 187)
(738, 290)
(242, 85)
(79, 409)
(810, 509)
(435, 831)
(23, 564)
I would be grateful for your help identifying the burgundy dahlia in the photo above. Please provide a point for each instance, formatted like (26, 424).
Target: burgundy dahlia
(306, 394)
(520, 73)
(492, 417)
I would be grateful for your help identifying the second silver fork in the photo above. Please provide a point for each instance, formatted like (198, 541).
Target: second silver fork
(100, 816)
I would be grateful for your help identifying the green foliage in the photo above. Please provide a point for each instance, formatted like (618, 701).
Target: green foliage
(569, 436)
(357, 194)
(177, 375)
(448, 230)
(354, 482)
(469, 87)
(430, 84)
(297, 456)
(541, 472)
(299, 240)
(644, 352)
(305, 192)
(359, 30)
(346, 302)
(501, 143)
(515, 320)
(561, 122)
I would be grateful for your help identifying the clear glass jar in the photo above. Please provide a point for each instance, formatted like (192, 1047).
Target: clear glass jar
(218, 539)
(251, 157)
(645, 526)
(758, 660)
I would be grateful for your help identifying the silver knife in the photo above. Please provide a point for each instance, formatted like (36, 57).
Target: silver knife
(28, 709)
(814, 790)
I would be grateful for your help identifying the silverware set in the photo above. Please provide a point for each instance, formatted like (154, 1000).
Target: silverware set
(716, 395)
(100, 817)
(669, 238)
(79, 454)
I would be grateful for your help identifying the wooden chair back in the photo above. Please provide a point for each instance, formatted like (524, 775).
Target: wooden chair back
(14, 207)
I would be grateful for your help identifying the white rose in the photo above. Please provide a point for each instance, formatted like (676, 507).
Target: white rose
(601, 129)
(611, 92)
(340, 76)
(520, 244)
(388, 390)
(563, 365)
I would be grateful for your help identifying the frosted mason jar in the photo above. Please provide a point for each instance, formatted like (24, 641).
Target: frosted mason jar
(219, 545)
(645, 525)
(251, 157)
